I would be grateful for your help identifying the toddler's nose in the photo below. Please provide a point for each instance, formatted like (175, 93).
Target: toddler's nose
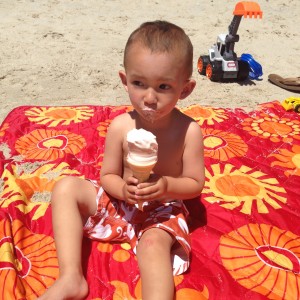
(150, 97)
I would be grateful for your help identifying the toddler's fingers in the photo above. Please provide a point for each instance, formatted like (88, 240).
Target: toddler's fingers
(132, 180)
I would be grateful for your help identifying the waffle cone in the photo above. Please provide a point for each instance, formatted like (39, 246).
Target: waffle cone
(141, 172)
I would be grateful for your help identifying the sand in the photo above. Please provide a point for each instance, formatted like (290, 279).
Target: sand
(64, 52)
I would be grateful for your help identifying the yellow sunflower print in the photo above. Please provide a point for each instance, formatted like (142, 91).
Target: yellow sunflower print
(222, 145)
(272, 127)
(233, 187)
(205, 114)
(289, 160)
(31, 189)
(53, 116)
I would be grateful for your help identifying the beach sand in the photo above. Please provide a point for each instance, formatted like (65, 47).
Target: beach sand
(64, 52)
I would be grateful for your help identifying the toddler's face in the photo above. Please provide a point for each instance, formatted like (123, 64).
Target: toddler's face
(154, 81)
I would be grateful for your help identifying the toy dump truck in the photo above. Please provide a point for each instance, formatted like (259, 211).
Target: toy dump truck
(222, 62)
(292, 103)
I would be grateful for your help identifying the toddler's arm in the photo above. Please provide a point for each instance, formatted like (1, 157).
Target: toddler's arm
(190, 183)
(112, 167)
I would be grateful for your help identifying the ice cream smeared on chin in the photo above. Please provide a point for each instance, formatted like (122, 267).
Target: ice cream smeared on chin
(142, 155)
(149, 115)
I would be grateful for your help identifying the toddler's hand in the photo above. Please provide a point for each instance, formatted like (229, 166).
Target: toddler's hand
(154, 189)
(129, 190)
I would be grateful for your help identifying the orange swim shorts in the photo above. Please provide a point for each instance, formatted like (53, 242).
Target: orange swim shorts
(117, 221)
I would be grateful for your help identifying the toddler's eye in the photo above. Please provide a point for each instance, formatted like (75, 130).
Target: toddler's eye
(137, 83)
(164, 86)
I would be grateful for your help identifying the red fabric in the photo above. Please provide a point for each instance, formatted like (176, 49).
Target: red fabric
(245, 226)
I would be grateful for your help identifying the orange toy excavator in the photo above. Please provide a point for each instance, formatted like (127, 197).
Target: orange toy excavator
(222, 62)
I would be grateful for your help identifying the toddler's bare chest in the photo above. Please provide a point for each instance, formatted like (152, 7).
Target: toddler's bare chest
(170, 157)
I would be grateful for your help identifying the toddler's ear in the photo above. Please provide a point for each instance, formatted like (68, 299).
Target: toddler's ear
(123, 78)
(187, 90)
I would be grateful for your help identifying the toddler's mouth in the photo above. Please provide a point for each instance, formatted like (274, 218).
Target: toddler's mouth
(146, 108)
(149, 114)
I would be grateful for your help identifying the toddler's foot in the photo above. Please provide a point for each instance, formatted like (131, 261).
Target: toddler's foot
(67, 287)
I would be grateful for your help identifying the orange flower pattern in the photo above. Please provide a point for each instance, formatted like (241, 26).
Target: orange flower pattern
(53, 116)
(245, 237)
(102, 128)
(273, 127)
(288, 159)
(28, 261)
(260, 257)
(43, 144)
(204, 115)
(121, 288)
(3, 128)
(222, 145)
(242, 187)
(30, 187)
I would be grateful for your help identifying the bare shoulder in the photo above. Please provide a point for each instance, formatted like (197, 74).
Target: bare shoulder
(120, 122)
(187, 123)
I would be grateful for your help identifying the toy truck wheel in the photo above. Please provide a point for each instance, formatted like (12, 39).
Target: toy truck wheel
(209, 71)
(202, 63)
(214, 71)
(297, 108)
(243, 70)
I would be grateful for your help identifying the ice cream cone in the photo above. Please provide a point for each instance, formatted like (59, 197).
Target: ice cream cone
(142, 173)
(142, 155)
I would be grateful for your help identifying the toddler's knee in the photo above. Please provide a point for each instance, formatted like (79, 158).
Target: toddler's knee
(154, 242)
(75, 191)
(66, 185)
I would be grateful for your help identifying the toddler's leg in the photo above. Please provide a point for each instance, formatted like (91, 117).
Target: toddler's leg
(154, 259)
(73, 201)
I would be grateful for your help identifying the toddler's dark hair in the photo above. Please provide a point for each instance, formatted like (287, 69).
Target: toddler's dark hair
(162, 36)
